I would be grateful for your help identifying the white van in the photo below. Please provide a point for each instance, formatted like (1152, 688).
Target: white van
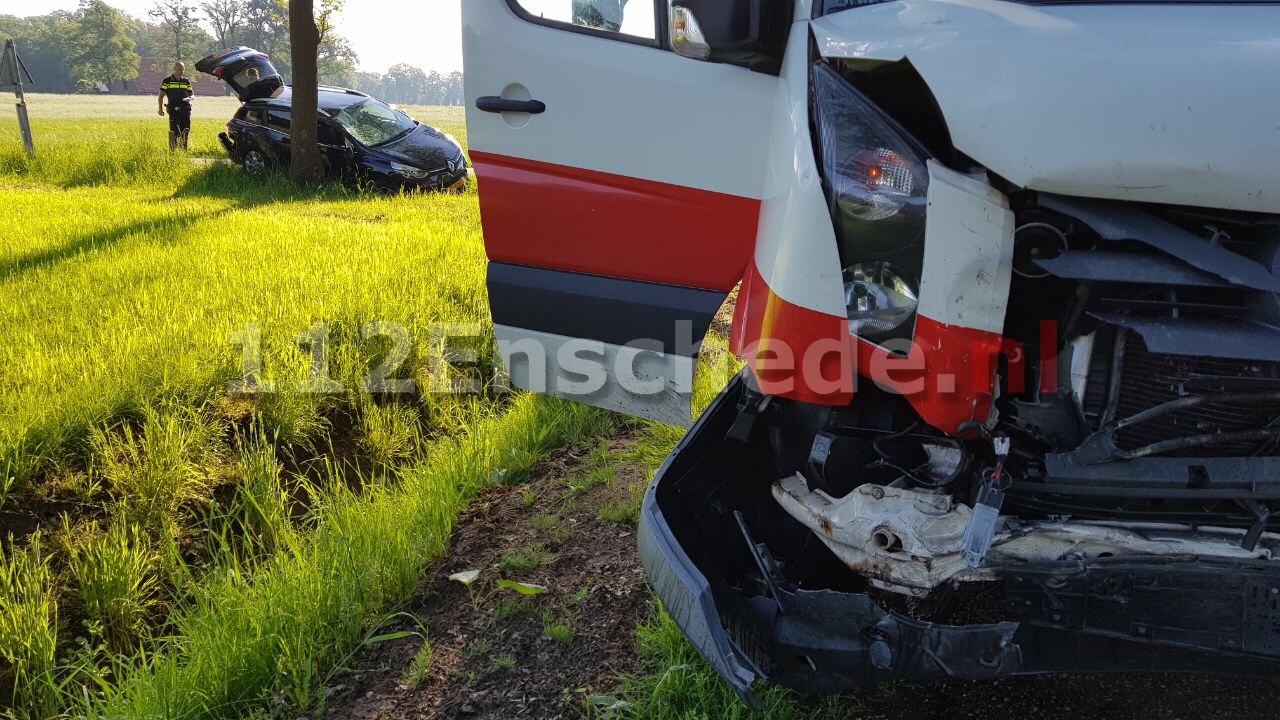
(1006, 279)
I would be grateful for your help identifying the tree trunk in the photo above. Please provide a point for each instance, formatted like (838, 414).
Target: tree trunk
(306, 163)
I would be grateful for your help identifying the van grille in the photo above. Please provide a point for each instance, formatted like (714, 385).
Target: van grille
(1148, 380)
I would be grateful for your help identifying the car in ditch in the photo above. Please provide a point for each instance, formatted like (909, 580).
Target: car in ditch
(1008, 300)
(363, 140)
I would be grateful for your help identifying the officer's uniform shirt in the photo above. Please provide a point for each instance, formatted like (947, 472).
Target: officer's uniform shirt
(179, 93)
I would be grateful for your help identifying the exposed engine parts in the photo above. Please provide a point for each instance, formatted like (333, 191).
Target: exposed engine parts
(911, 541)
(1156, 436)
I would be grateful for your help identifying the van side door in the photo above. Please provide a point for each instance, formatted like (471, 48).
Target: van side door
(620, 190)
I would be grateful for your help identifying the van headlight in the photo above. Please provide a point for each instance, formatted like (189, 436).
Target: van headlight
(879, 300)
(878, 185)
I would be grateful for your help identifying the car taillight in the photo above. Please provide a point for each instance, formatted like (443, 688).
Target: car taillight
(231, 128)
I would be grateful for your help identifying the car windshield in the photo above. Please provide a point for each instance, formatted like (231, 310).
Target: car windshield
(374, 123)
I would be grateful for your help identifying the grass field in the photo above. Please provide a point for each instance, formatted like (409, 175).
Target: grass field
(204, 505)
(175, 545)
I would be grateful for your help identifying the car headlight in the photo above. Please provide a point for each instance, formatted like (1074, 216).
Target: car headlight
(877, 183)
(408, 171)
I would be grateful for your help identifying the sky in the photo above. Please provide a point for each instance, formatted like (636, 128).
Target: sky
(425, 33)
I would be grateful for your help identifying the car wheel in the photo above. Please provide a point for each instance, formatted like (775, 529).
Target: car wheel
(255, 163)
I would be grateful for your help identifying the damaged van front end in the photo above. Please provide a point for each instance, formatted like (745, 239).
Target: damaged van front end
(872, 587)
(1012, 334)
(1008, 298)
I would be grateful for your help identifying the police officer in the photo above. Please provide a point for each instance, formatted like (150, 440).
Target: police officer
(178, 91)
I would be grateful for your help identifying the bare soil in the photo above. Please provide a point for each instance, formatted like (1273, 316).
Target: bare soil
(491, 654)
(492, 657)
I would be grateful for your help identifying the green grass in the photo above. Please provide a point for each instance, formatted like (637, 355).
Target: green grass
(29, 628)
(116, 299)
(478, 649)
(525, 559)
(562, 632)
(676, 684)
(233, 531)
(420, 668)
(61, 121)
(112, 120)
(510, 610)
(117, 581)
(227, 551)
(544, 522)
(626, 512)
(288, 622)
(260, 514)
(153, 472)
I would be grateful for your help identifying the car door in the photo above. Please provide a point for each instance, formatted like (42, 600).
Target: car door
(336, 148)
(276, 135)
(620, 191)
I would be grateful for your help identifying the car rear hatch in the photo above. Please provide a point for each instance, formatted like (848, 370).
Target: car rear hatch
(249, 73)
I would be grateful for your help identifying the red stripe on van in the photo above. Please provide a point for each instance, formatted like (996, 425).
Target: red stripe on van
(565, 218)
(810, 356)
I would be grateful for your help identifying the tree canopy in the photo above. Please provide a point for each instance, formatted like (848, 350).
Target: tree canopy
(181, 23)
(98, 44)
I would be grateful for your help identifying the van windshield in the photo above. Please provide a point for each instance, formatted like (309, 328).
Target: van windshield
(374, 123)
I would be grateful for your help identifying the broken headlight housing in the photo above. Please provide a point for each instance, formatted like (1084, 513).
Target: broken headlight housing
(408, 171)
(877, 183)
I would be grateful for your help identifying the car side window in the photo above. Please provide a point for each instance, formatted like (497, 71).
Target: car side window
(628, 19)
(278, 120)
(254, 116)
(330, 135)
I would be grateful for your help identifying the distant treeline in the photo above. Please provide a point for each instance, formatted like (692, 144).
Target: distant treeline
(98, 45)
(409, 85)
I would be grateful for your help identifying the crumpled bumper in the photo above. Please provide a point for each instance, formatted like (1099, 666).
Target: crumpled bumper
(1174, 614)
(847, 640)
(686, 596)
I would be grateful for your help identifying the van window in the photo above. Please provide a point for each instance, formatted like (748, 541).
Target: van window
(633, 18)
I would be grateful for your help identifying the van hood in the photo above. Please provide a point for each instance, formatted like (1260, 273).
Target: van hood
(425, 148)
(1165, 103)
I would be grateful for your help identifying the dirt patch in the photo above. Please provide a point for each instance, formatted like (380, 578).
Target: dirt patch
(496, 653)
(722, 323)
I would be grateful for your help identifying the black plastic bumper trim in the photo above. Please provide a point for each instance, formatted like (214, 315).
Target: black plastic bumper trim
(611, 310)
(684, 591)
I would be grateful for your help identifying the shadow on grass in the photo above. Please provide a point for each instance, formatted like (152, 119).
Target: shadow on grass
(218, 181)
(100, 240)
(225, 181)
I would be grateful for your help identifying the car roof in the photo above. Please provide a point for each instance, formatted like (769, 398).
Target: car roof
(332, 99)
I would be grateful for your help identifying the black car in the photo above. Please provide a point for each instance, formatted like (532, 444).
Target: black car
(363, 139)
